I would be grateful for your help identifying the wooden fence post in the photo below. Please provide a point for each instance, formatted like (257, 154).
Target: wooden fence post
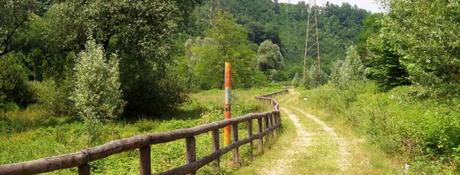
(236, 151)
(278, 115)
(267, 126)
(190, 151)
(84, 169)
(144, 158)
(273, 123)
(215, 146)
(251, 144)
(261, 139)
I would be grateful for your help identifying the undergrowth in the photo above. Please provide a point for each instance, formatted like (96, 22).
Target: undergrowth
(406, 122)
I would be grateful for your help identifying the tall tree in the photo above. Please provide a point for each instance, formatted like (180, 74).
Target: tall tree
(424, 37)
(226, 41)
(141, 32)
(13, 16)
(269, 58)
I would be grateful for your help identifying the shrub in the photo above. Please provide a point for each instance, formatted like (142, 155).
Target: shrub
(269, 59)
(13, 81)
(315, 77)
(351, 69)
(51, 97)
(97, 91)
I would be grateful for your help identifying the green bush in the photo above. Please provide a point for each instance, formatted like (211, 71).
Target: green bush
(315, 77)
(53, 98)
(13, 81)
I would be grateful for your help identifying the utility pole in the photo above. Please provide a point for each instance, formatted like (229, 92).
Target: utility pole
(312, 21)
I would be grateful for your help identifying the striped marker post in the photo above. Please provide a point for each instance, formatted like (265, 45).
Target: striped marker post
(227, 106)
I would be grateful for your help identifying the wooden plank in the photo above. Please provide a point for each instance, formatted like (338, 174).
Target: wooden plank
(251, 144)
(261, 140)
(272, 123)
(84, 169)
(215, 146)
(267, 125)
(190, 147)
(145, 161)
(184, 169)
(236, 151)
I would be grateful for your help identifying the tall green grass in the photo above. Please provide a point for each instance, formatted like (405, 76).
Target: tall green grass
(424, 130)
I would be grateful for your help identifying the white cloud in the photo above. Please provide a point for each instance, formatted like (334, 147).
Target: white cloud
(370, 5)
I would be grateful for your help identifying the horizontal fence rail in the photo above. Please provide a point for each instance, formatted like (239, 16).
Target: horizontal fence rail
(268, 123)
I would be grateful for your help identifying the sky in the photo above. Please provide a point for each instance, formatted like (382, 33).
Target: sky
(370, 5)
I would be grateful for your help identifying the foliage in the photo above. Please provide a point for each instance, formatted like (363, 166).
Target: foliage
(13, 86)
(384, 64)
(315, 77)
(97, 91)
(351, 69)
(13, 16)
(226, 41)
(372, 26)
(339, 27)
(269, 58)
(140, 32)
(424, 37)
(206, 60)
(295, 80)
(52, 97)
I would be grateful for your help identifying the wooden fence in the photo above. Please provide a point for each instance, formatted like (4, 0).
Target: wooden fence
(267, 122)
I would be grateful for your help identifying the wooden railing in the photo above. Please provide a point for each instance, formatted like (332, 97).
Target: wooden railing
(268, 123)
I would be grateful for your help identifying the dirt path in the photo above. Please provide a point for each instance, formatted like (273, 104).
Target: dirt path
(311, 145)
(320, 135)
(283, 164)
(344, 153)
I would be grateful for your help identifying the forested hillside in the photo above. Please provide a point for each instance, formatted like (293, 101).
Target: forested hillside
(285, 25)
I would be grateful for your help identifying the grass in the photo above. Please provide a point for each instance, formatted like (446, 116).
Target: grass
(203, 107)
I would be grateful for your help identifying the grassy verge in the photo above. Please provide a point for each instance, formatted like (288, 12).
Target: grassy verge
(66, 137)
(422, 132)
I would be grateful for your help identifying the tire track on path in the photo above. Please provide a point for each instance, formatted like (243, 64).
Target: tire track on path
(283, 165)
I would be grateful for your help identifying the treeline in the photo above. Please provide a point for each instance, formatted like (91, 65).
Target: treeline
(41, 42)
(399, 85)
(283, 25)
(162, 49)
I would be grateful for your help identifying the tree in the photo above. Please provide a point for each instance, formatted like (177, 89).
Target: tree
(269, 57)
(348, 71)
(384, 64)
(140, 32)
(206, 59)
(98, 97)
(13, 86)
(226, 41)
(315, 77)
(425, 34)
(13, 15)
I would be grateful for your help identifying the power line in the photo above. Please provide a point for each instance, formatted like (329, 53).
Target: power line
(312, 24)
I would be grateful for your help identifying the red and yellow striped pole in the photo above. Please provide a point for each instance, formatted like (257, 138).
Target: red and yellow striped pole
(228, 98)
